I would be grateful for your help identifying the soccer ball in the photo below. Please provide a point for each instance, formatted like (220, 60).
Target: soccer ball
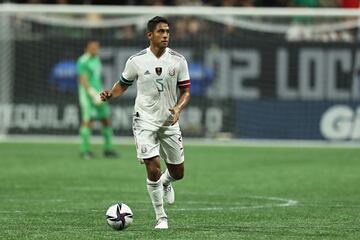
(119, 216)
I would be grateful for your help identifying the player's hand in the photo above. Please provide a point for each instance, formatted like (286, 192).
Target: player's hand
(175, 112)
(105, 95)
(95, 96)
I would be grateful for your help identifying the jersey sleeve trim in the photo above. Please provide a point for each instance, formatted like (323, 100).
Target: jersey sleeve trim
(142, 52)
(184, 84)
(174, 53)
(124, 81)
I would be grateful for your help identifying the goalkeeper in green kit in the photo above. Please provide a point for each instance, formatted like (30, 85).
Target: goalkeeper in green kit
(89, 72)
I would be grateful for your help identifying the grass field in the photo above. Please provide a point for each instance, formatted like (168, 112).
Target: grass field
(48, 192)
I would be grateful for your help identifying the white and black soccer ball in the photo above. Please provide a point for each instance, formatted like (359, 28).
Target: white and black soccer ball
(119, 216)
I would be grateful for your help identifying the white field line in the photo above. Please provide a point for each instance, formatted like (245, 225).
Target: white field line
(218, 206)
(188, 141)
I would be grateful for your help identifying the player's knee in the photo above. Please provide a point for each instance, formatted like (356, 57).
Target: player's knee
(86, 124)
(106, 122)
(154, 174)
(176, 171)
(153, 169)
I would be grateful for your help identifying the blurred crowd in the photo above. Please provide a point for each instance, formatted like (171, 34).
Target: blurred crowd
(187, 28)
(225, 3)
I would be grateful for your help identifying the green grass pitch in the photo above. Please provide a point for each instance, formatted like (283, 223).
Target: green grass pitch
(48, 192)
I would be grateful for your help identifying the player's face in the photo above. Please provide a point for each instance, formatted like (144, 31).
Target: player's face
(93, 48)
(160, 36)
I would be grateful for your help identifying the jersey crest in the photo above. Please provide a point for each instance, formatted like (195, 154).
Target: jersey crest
(172, 72)
(158, 70)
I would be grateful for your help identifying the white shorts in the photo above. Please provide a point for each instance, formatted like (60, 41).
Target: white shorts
(151, 141)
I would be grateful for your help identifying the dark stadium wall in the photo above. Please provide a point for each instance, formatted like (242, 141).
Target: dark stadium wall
(248, 78)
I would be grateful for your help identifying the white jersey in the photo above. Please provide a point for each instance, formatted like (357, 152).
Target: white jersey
(157, 83)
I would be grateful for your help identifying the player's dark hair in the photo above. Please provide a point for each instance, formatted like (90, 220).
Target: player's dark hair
(151, 25)
(91, 41)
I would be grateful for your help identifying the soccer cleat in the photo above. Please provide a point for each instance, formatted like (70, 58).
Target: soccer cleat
(169, 194)
(162, 223)
(86, 155)
(111, 154)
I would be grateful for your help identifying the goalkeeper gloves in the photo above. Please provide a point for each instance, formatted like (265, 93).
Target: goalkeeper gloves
(95, 96)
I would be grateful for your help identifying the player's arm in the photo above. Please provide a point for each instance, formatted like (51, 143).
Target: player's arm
(85, 83)
(184, 87)
(127, 78)
(89, 89)
(184, 98)
(117, 90)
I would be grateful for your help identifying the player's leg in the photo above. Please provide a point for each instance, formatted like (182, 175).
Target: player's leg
(85, 134)
(173, 173)
(172, 151)
(85, 128)
(107, 133)
(147, 149)
(155, 189)
(103, 112)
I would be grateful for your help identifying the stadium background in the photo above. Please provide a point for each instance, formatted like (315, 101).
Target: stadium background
(258, 74)
(249, 81)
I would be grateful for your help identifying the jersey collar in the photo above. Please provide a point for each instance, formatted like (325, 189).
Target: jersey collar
(162, 56)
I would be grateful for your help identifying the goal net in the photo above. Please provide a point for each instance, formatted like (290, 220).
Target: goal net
(256, 73)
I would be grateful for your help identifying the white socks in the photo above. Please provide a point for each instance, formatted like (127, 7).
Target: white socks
(155, 190)
(166, 179)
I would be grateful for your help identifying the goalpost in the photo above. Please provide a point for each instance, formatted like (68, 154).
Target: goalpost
(257, 73)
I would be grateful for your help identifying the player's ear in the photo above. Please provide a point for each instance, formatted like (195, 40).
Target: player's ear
(149, 35)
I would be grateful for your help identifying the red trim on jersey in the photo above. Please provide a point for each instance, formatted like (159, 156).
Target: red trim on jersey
(184, 84)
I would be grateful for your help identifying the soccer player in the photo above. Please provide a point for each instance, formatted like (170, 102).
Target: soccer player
(159, 72)
(92, 108)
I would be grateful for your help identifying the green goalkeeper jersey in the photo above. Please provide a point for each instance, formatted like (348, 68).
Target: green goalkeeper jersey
(91, 68)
